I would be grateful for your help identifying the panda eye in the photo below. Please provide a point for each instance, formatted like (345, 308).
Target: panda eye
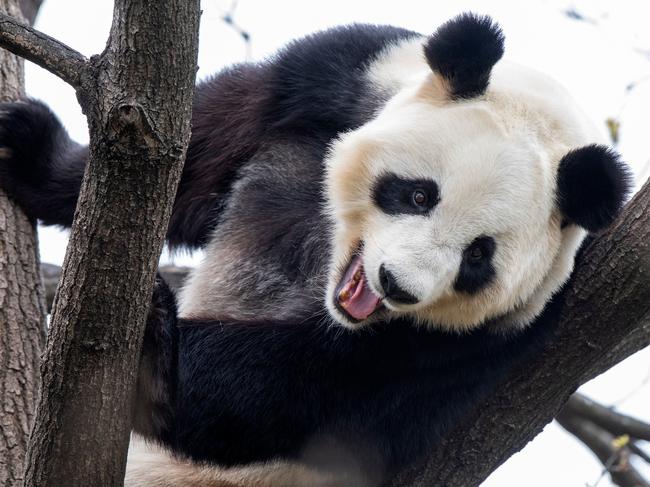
(481, 248)
(476, 268)
(475, 253)
(419, 198)
(396, 195)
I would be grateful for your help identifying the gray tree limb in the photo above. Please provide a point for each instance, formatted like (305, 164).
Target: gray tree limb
(41, 49)
(641, 453)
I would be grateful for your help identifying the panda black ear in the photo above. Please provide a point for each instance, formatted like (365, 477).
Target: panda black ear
(593, 184)
(463, 51)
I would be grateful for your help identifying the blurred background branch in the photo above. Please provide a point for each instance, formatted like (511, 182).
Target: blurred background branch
(610, 435)
(174, 276)
(30, 9)
(228, 16)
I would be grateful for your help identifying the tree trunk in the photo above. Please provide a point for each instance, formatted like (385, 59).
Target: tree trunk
(137, 96)
(22, 316)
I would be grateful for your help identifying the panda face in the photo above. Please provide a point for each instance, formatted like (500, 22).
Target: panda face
(463, 200)
(449, 218)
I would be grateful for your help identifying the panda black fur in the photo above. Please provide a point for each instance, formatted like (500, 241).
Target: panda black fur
(252, 373)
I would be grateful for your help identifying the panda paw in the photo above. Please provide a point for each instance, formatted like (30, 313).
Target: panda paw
(161, 319)
(41, 168)
(30, 134)
(154, 412)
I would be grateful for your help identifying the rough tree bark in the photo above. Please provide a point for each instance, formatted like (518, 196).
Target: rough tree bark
(605, 319)
(137, 96)
(22, 316)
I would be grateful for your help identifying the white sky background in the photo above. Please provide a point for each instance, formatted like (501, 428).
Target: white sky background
(595, 58)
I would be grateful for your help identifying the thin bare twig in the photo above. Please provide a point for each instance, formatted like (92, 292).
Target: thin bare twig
(228, 16)
(43, 50)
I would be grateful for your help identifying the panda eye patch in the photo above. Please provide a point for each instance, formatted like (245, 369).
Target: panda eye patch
(476, 269)
(481, 248)
(396, 195)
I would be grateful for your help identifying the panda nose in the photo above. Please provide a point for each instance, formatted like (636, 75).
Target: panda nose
(392, 289)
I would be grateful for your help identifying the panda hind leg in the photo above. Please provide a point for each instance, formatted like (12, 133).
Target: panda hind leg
(153, 410)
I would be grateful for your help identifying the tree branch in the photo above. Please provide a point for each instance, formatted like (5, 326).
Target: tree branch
(616, 423)
(636, 449)
(43, 50)
(616, 460)
(605, 319)
(598, 427)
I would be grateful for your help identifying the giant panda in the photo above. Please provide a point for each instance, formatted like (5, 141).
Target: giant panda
(388, 221)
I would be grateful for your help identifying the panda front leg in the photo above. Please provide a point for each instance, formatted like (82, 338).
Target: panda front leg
(41, 168)
(153, 415)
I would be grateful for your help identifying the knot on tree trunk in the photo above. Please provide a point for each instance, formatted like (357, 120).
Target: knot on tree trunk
(129, 124)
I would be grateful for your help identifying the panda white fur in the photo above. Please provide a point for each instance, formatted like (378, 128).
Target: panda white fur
(365, 176)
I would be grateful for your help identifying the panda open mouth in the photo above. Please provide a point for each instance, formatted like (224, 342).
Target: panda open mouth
(353, 296)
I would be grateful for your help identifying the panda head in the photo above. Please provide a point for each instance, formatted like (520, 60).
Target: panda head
(466, 198)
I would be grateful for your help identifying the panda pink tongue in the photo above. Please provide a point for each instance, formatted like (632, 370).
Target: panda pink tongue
(355, 296)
